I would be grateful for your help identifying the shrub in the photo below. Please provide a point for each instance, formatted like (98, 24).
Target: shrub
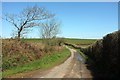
(105, 55)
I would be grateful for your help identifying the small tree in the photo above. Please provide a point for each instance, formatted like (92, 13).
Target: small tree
(28, 18)
(49, 29)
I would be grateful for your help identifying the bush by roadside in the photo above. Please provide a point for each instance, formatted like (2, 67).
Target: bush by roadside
(47, 61)
(17, 53)
(104, 55)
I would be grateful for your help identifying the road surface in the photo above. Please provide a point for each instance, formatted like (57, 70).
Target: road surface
(73, 67)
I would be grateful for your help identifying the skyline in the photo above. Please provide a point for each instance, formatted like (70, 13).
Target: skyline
(79, 19)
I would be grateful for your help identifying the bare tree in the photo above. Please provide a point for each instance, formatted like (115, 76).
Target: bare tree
(28, 18)
(50, 29)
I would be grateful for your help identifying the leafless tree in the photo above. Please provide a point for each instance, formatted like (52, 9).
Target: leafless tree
(50, 29)
(28, 18)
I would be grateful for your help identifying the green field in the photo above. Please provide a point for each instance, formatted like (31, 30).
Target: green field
(69, 40)
(80, 41)
(32, 40)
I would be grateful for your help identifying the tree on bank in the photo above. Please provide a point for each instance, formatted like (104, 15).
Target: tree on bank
(49, 30)
(28, 18)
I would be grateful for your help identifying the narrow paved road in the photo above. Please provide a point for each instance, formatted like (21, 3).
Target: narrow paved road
(73, 67)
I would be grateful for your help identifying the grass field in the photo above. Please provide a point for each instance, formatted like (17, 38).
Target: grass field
(80, 41)
(69, 40)
(32, 40)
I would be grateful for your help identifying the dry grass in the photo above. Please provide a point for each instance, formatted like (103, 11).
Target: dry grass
(16, 53)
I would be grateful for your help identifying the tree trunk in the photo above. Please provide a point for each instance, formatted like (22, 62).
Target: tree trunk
(18, 36)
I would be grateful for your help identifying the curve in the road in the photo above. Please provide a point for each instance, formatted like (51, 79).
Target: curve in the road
(73, 67)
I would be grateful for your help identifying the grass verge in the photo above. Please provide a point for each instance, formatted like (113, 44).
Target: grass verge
(45, 62)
